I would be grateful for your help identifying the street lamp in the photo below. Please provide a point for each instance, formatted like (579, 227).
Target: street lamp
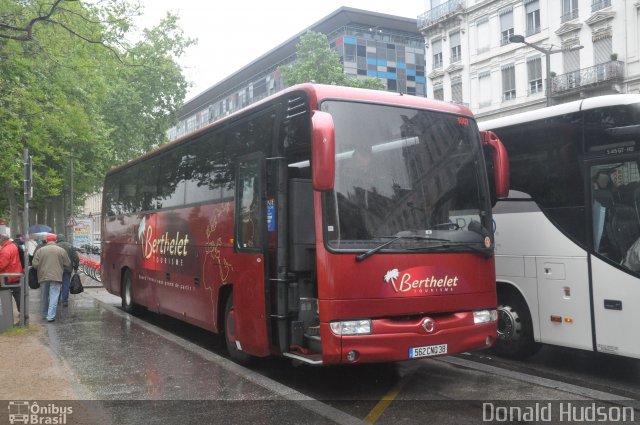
(516, 38)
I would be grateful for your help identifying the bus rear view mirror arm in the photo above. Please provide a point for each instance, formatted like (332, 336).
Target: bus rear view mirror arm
(323, 151)
(500, 162)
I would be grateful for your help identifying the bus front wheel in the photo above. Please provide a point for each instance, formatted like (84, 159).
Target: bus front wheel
(515, 329)
(233, 345)
(127, 295)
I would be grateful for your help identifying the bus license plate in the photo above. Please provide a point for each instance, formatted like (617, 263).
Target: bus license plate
(426, 351)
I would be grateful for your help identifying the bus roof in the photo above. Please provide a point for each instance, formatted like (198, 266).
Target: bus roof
(316, 93)
(564, 108)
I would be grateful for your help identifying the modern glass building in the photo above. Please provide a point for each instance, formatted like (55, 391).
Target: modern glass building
(370, 44)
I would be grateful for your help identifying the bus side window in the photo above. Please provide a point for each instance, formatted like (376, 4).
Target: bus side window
(615, 212)
(248, 205)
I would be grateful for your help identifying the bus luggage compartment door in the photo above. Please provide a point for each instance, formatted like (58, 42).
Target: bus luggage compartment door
(615, 305)
(563, 294)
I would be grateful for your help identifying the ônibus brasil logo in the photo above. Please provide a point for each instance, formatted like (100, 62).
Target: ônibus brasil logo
(420, 280)
(27, 412)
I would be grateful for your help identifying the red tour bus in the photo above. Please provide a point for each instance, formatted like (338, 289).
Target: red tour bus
(325, 224)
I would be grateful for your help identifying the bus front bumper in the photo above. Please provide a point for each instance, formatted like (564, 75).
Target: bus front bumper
(407, 339)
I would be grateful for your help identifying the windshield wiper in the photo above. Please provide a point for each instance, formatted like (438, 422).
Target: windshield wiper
(372, 251)
(486, 252)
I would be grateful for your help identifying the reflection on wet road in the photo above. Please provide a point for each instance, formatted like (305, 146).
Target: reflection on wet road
(117, 357)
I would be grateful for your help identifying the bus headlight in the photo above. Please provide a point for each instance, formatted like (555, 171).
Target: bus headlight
(351, 327)
(485, 316)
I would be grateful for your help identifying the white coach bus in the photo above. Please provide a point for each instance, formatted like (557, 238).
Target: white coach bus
(567, 237)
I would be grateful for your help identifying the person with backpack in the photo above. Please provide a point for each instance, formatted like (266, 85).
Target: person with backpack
(66, 276)
(10, 263)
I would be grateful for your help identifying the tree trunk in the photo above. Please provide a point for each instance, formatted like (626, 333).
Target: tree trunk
(58, 207)
(50, 220)
(15, 222)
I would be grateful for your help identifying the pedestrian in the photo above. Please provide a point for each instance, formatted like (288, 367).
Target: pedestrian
(32, 244)
(66, 276)
(50, 262)
(19, 241)
(10, 263)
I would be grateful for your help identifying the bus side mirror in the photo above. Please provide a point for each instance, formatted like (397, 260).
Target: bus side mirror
(500, 159)
(323, 151)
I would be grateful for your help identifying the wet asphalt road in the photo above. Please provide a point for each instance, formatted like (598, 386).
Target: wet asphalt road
(177, 373)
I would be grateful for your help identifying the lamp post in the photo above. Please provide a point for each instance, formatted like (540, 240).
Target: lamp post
(516, 38)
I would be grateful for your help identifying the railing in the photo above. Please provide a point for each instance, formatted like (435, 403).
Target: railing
(572, 14)
(597, 5)
(437, 13)
(603, 72)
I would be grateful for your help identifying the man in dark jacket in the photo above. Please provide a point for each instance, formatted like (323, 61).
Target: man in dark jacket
(66, 276)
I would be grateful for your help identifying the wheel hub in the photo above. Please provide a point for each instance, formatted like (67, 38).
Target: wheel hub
(508, 323)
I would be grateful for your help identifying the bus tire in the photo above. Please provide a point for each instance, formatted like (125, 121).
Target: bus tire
(127, 295)
(515, 329)
(229, 334)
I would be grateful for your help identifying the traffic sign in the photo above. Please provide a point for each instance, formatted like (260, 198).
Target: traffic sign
(72, 221)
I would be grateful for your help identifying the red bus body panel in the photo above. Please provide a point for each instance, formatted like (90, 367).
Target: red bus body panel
(187, 286)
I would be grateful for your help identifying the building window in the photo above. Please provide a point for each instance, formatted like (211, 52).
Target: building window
(601, 56)
(569, 10)
(456, 48)
(482, 28)
(571, 67)
(456, 91)
(438, 92)
(599, 4)
(506, 26)
(437, 54)
(602, 50)
(534, 74)
(484, 89)
(532, 8)
(508, 82)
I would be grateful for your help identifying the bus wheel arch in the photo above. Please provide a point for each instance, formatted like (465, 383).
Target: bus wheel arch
(228, 331)
(515, 326)
(126, 293)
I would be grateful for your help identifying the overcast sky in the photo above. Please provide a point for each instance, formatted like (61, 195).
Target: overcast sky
(231, 34)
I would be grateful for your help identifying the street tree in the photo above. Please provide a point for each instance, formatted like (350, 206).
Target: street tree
(317, 62)
(69, 90)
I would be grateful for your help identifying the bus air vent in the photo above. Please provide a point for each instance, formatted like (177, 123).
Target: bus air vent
(296, 106)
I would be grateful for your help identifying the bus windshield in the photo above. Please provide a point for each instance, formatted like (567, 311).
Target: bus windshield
(405, 172)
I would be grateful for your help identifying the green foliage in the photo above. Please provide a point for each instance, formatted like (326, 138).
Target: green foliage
(75, 89)
(318, 63)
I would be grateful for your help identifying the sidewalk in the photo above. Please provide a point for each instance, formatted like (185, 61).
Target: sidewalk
(138, 373)
(30, 370)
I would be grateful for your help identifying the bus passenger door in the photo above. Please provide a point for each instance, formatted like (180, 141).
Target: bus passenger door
(615, 265)
(250, 324)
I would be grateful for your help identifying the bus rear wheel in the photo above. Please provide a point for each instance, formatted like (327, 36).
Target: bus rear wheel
(230, 334)
(127, 295)
(515, 329)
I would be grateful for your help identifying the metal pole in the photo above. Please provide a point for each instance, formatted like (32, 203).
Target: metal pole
(548, 66)
(70, 237)
(24, 291)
